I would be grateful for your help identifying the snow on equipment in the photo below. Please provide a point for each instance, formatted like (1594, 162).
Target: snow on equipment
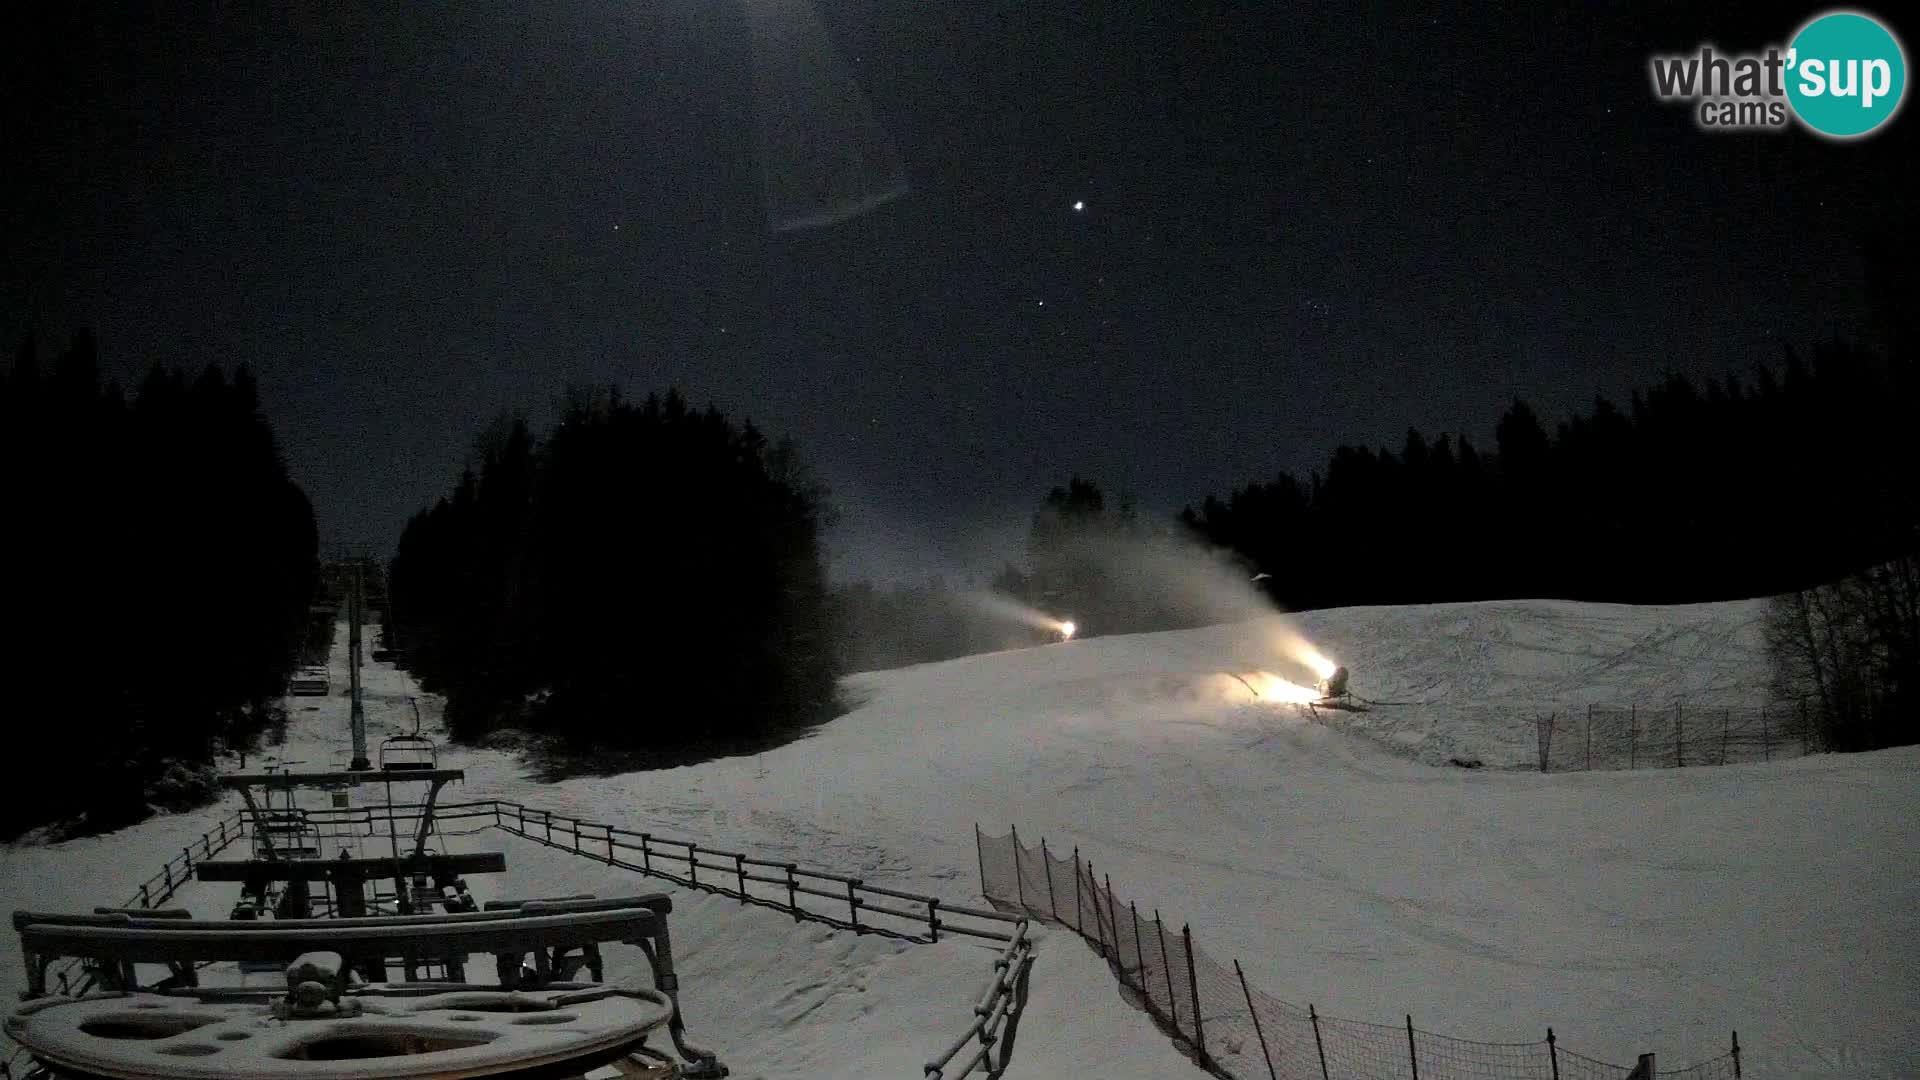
(376, 974)
(541, 1019)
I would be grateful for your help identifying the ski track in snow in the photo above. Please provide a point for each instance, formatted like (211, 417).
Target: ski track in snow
(1651, 910)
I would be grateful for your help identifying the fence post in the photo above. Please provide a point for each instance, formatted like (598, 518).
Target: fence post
(1589, 738)
(1140, 954)
(1166, 965)
(1317, 1044)
(610, 855)
(547, 816)
(646, 853)
(740, 871)
(853, 907)
(1099, 931)
(1679, 726)
(1019, 889)
(1160, 930)
(933, 918)
(1113, 920)
(1736, 1056)
(980, 855)
(144, 902)
(1645, 1070)
(1553, 1055)
(1633, 735)
(1193, 987)
(1258, 1030)
(1412, 1057)
(1046, 863)
(1079, 920)
(793, 893)
(693, 864)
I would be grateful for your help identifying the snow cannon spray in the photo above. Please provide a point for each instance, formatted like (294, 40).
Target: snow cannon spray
(1014, 611)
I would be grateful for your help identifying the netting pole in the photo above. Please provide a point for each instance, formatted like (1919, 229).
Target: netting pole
(1679, 726)
(1553, 1055)
(1257, 1030)
(1193, 987)
(740, 872)
(1736, 1056)
(1160, 930)
(980, 854)
(1019, 889)
(693, 864)
(1046, 863)
(1079, 920)
(933, 919)
(793, 893)
(1113, 920)
(1140, 954)
(1099, 932)
(1317, 1044)
(1633, 736)
(646, 853)
(1412, 1058)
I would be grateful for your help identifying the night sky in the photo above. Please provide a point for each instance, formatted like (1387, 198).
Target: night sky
(1303, 225)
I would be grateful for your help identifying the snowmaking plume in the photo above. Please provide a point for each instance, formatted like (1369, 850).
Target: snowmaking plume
(1164, 580)
(1011, 610)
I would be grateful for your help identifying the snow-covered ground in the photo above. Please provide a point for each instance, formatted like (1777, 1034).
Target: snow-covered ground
(1632, 911)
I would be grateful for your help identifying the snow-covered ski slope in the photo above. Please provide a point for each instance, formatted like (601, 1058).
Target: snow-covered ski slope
(1631, 911)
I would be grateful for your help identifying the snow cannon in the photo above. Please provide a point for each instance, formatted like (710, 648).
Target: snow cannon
(1336, 684)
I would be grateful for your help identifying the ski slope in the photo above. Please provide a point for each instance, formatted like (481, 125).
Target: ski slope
(1631, 911)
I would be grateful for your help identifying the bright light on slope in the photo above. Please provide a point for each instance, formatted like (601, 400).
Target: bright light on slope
(1270, 687)
(1067, 629)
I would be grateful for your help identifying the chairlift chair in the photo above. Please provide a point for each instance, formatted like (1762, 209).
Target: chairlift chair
(401, 753)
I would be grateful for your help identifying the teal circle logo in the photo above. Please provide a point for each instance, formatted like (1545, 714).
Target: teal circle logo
(1845, 74)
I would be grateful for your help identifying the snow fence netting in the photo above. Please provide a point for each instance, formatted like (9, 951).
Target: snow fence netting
(1671, 736)
(1241, 1032)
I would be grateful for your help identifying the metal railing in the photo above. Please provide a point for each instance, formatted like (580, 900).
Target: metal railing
(806, 894)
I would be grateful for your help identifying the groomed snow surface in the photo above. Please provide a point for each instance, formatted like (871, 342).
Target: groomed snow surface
(1655, 910)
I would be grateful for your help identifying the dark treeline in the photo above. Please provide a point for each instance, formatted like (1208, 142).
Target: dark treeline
(1743, 486)
(162, 563)
(648, 576)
